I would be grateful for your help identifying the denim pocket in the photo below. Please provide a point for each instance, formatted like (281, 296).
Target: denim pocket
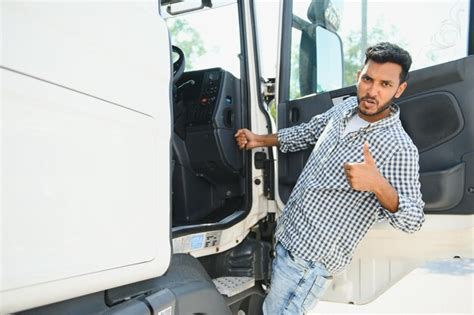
(319, 286)
(299, 262)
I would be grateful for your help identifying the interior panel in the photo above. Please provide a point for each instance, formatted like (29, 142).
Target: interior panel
(207, 175)
(443, 189)
(431, 119)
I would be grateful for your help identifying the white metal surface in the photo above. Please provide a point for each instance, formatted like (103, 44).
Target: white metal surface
(230, 286)
(85, 149)
(114, 50)
(386, 255)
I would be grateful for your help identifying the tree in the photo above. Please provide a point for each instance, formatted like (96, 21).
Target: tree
(295, 91)
(186, 38)
(353, 52)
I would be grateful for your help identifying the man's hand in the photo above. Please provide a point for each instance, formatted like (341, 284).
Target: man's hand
(248, 140)
(245, 139)
(363, 176)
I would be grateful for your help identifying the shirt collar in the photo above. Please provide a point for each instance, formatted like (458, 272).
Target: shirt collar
(383, 123)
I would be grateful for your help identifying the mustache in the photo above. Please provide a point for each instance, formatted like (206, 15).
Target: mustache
(368, 98)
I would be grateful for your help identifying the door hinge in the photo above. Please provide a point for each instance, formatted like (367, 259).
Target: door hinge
(269, 90)
(268, 167)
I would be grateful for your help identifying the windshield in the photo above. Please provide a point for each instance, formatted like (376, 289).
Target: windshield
(208, 38)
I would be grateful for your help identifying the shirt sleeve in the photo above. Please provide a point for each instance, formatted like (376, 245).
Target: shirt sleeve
(302, 136)
(402, 171)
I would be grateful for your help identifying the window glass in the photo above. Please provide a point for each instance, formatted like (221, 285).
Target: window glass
(432, 31)
(267, 28)
(208, 38)
(295, 88)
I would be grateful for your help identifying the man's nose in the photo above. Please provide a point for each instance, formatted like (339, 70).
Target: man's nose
(372, 91)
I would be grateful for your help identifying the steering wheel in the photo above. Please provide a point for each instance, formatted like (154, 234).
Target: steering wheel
(179, 64)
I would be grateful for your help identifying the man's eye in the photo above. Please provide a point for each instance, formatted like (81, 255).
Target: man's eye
(386, 84)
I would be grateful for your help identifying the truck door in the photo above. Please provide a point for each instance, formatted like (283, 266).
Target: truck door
(318, 61)
(85, 149)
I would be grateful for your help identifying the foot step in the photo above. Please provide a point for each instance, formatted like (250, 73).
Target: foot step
(230, 286)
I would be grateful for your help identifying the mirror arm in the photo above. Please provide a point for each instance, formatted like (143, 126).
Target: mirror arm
(305, 27)
(300, 24)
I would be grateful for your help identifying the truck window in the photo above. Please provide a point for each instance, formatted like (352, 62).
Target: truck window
(208, 38)
(441, 37)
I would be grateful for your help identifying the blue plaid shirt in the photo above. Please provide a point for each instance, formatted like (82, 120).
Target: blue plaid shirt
(324, 218)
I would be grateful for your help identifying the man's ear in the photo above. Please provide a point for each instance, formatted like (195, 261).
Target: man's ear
(400, 89)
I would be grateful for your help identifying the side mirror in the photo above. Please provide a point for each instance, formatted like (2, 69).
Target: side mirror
(320, 59)
(329, 60)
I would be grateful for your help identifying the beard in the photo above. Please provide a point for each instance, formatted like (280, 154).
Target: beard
(379, 109)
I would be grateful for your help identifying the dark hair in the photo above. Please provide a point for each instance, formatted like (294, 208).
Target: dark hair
(388, 52)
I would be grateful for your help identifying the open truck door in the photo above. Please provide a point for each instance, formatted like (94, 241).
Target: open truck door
(123, 191)
(436, 111)
(85, 141)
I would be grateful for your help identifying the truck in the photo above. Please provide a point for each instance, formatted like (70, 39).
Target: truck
(123, 190)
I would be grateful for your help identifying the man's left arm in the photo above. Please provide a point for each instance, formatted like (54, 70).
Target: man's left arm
(403, 172)
(396, 186)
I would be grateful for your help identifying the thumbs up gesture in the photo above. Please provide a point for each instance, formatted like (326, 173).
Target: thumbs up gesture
(363, 176)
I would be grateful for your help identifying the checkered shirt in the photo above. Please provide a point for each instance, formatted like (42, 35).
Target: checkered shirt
(324, 218)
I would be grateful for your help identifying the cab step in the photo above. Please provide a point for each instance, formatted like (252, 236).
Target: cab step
(230, 286)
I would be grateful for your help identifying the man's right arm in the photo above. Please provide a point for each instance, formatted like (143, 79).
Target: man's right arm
(290, 139)
(249, 140)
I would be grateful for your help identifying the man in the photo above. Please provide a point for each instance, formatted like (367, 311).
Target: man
(363, 168)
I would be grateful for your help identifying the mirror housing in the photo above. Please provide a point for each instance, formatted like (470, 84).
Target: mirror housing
(329, 60)
(320, 59)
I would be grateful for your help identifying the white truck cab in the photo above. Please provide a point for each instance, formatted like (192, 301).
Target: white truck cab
(123, 191)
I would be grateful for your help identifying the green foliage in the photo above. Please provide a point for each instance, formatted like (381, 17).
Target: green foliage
(186, 38)
(295, 91)
(273, 110)
(354, 53)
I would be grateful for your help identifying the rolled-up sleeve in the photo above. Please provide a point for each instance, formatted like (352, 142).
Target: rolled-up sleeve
(302, 136)
(402, 171)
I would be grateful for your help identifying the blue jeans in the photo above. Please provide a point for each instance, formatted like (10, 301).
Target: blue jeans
(296, 285)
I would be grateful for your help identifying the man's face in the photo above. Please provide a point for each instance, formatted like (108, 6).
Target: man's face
(377, 85)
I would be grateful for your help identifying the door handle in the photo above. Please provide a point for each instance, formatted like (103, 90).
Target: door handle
(294, 115)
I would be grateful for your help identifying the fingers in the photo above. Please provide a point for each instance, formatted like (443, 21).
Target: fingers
(367, 155)
(241, 138)
(239, 132)
(242, 142)
(366, 150)
(348, 169)
(348, 172)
